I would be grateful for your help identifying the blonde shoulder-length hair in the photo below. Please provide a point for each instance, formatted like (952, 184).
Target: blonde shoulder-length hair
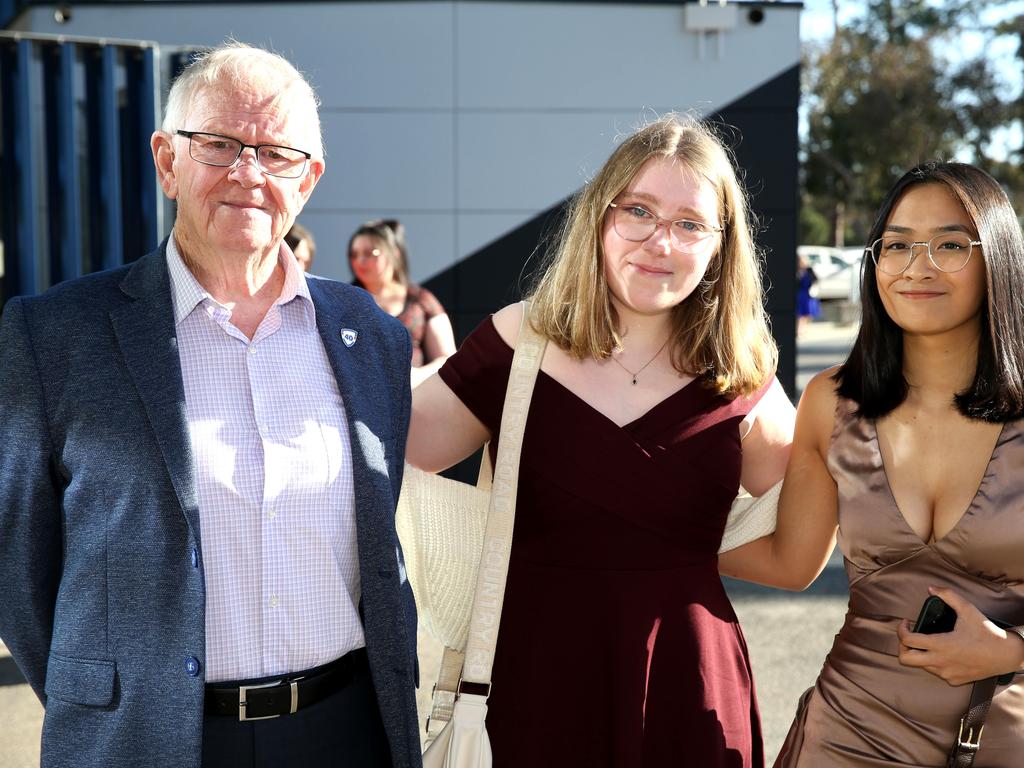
(720, 331)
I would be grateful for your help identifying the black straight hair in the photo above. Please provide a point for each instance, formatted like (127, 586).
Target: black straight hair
(872, 375)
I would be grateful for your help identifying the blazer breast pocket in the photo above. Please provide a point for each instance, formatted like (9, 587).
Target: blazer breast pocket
(89, 682)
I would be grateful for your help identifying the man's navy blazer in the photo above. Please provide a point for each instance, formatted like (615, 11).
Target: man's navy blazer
(101, 571)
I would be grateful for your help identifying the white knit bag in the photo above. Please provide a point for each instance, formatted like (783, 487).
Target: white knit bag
(440, 523)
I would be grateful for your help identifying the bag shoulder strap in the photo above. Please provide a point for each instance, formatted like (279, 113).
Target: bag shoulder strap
(490, 582)
(972, 724)
(474, 666)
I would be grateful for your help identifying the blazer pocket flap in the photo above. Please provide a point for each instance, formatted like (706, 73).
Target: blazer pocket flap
(80, 681)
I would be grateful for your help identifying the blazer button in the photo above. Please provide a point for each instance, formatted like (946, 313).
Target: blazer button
(192, 665)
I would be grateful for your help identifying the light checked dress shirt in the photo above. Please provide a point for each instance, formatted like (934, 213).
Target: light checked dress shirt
(273, 469)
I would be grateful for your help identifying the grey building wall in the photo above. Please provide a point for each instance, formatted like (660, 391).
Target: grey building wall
(472, 121)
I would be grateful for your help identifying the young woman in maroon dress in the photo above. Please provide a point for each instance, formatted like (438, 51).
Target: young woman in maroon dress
(656, 399)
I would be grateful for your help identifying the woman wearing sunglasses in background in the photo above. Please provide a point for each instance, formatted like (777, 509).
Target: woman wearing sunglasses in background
(914, 448)
(379, 260)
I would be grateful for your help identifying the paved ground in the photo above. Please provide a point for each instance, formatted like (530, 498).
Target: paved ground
(21, 717)
(788, 634)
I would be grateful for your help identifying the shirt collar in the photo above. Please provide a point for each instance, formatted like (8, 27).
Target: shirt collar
(187, 293)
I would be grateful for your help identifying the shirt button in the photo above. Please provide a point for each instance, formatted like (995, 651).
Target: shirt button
(192, 665)
(252, 349)
(272, 514)
(273, 601)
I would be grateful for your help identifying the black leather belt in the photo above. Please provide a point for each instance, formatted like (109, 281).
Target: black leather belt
(285, 695)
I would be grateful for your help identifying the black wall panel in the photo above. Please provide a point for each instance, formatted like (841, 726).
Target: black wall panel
(761, 128)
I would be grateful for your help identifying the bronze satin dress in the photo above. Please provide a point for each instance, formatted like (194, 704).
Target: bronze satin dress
(866, 708)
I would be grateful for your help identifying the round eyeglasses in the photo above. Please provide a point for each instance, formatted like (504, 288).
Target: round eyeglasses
(948, 252)
(635, 223)
(224, 151)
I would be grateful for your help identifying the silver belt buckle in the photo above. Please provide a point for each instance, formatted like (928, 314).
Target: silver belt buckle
(975, 745)
(244, 689)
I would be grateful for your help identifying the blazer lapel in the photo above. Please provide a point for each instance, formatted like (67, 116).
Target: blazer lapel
(145, 332)
(346, 347)
(352, 362)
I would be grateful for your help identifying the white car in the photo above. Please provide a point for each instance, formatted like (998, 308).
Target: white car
(837, 270)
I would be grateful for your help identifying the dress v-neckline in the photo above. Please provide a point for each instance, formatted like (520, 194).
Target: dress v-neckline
(967, 510)
(630, 425)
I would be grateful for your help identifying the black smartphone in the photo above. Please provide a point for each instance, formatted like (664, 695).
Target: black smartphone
(935, 617)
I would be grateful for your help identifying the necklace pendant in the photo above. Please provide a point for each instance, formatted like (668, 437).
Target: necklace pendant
(634, 381)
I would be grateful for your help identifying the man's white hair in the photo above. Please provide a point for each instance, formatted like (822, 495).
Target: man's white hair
(235, 64)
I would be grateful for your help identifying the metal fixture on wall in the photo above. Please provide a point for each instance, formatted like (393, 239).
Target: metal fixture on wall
(707, 19)
(78, 188)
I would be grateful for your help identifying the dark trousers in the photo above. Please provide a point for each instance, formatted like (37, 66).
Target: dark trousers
(343, 730)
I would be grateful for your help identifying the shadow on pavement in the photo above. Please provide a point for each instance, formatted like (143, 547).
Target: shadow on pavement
(831, 583)
(9, 672)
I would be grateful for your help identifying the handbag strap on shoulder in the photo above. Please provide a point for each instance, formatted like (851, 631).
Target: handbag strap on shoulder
(493, 571)
(471, 671)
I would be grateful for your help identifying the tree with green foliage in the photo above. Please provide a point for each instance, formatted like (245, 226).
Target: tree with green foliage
(893, 90)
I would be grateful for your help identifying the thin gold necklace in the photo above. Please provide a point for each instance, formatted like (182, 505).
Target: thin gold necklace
(639, 370)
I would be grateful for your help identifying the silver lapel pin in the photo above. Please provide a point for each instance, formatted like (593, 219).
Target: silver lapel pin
(348, 336)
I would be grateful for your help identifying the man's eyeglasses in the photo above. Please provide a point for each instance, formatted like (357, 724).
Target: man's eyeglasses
(224, 151)
(636, 224)
(948, 252)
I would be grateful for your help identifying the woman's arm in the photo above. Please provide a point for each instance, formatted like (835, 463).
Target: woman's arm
(767, 444)
(793, 556)
(438, 337)
(438, 344)
(443, 431)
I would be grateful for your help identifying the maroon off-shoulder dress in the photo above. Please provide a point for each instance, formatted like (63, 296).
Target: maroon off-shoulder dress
(618, 645)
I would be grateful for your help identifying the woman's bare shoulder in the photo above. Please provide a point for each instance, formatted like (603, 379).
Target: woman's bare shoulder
(507, 322)
(818, 404)
(823, 385)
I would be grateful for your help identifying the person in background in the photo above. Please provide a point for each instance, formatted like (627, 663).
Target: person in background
(378, 258)
(398, 230)
(808, 307)
(913, 450)
(201, 455)
(301, 241)
(655, 400)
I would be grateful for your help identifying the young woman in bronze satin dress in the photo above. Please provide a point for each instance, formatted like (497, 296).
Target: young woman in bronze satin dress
(656, 397)
(915, 448)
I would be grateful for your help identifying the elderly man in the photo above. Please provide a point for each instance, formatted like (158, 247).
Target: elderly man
(200, 455)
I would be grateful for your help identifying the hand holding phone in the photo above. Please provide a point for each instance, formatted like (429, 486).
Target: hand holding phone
(935, 617)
